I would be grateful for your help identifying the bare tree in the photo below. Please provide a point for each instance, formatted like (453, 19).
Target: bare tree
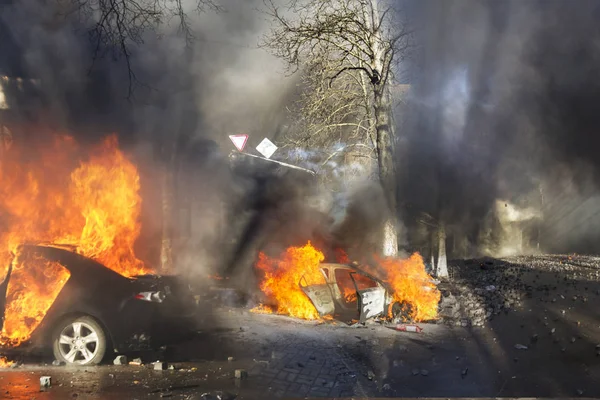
(357, 37)
(333, 126)
(116, 26)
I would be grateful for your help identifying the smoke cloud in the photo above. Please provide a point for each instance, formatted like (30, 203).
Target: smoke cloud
(501, 118)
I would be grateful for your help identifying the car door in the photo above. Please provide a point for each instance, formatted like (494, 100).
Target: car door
(320, 295)
(371, 296)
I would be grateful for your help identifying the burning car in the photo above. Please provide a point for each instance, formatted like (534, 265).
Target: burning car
(348, 290)
(300, 284)
(97, 310)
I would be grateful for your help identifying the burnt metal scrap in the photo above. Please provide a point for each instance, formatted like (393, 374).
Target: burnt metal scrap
(348, 289)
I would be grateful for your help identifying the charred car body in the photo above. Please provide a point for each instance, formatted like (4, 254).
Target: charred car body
(98, 310)
(349, 290)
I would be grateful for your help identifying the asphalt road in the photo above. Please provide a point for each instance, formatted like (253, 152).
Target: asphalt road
(289, 358)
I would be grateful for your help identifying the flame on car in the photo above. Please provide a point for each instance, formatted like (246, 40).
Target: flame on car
(407, 280)
(64, 195)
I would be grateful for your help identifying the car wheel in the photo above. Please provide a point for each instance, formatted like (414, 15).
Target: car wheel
(80, 341)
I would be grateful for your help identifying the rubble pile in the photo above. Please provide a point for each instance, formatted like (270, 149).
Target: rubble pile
(479, 291)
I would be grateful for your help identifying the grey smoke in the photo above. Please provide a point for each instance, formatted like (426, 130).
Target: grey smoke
(502, 108)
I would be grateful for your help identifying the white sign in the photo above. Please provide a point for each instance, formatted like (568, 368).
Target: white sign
(266, 148)
(239, 141)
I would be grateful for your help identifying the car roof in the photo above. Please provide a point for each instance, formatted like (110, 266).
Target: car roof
(355, 268)
(77, 264)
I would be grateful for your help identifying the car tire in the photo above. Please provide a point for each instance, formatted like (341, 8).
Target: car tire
(79, 341)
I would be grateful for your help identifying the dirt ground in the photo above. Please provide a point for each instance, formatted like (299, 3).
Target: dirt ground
(286, 358)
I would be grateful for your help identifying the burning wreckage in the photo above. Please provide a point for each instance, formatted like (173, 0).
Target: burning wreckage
(300, 284)
(72, 282)
(97, 307)
(85, 293)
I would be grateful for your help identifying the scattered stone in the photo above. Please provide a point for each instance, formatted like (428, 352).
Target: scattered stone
(415, 371)
(552, 331)
(424, 372)
(218, 396)
(464, 372)
(45, 382)
(135, 361)
(160, 366)
(520, 347)
(370, 375)
(573, 340)
(241, 374)
(58, 363)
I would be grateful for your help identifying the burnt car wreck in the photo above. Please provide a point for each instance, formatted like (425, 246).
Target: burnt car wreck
(351, 293)
(99, 311)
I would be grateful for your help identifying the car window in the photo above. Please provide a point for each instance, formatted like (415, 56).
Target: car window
(346, 285)
(363, 282)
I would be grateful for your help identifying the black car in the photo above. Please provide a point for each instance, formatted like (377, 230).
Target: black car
(98, 310)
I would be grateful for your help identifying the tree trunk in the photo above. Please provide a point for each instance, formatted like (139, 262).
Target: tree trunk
(387, 176)
(166, 248)
(442, 264)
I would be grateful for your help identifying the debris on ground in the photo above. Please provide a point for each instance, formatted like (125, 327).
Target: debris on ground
(409, 328)
(241, 374)
(136, 361)
(464, 372)
(521, 347)
(424, 372)
(230, 359)
(45, 382)
(58, 363)
(160, 366)
(218, 396)
(120, 360)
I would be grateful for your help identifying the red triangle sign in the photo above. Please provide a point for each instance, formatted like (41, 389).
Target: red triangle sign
(239, 141)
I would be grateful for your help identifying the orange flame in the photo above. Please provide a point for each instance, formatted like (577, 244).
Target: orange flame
(282, 278)
(33, 287)
(341, 256)
(48, 194)
(5, 363)
(411, 284)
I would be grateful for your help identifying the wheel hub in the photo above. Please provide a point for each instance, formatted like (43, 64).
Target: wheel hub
(78, 343)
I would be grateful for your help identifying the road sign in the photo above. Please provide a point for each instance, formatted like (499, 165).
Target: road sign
(266, 148)
(239, 141)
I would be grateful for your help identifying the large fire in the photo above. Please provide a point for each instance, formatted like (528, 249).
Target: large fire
(52, 194)
(281, 281)
(412, 285)
(407, 281)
